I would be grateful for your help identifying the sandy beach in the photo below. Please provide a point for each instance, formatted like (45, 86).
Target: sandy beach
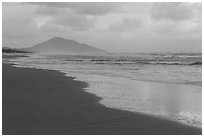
(44, 102)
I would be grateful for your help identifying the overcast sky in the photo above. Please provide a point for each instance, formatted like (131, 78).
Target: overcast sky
(116, 27)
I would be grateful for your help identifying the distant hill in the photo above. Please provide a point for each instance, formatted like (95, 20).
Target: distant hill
(61, 45)
(11, 50)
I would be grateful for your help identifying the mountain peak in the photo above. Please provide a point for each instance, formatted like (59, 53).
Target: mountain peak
(57, 38)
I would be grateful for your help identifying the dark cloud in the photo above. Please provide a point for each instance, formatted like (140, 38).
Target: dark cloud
(73, 15)
(65, 18)
(88, 8)
(174, 11)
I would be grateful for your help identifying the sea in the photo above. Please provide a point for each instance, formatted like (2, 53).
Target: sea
(164, 85)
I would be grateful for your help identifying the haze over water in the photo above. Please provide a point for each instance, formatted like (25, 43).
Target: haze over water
(163, 85)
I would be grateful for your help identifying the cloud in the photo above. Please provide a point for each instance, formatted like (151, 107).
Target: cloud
(95, 8)
(171, 11)
(118, 27)
(73, 21)
(126, 25)
(49, 4)
(177, 21)
(45, 11)
(16, 23)
(90, 8)
(64, 18)
(52, 28)
(75, 16)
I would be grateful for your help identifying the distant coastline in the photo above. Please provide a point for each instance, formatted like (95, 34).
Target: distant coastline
(12, 50)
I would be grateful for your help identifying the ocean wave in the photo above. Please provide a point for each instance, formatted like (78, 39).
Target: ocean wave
(98, 60)
(137, 61)
(146, 62)
(196, 63)
(175, 63)
(74, 60)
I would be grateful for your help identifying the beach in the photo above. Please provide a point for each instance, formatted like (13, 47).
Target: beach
(99, 68)
(46, 102)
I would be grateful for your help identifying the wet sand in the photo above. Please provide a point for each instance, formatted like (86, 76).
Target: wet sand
(39, 102)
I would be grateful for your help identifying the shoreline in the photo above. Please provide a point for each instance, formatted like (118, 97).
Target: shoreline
(97, 119)
(102, 99)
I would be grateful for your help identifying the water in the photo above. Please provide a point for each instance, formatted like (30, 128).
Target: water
(164, 85)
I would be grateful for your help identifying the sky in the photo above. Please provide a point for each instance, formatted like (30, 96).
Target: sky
(115, 27)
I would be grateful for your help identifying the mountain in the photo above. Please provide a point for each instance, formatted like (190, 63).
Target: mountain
(61, 45)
